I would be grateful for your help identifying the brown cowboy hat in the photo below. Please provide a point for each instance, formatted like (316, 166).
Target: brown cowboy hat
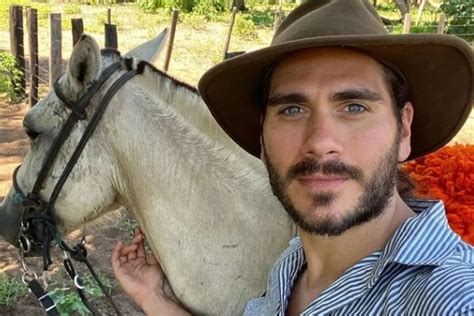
(438, 69)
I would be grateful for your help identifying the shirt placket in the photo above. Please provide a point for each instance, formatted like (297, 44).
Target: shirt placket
(348, 288)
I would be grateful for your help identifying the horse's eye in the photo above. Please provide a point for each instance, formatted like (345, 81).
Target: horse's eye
(31, 133)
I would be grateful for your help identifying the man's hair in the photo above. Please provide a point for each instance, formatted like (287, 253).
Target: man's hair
(399, 93)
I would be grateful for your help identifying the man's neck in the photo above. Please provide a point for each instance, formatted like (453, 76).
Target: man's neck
(329, 257)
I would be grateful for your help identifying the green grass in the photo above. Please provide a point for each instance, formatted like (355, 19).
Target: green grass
(68, 301)
(11, 290)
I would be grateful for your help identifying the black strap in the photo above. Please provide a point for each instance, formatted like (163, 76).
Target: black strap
(78, 113)
(43, 298)
(79, 107)
(94, 121)
(79, 253)
(68, 266)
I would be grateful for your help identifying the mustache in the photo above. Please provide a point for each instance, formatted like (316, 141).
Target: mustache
(328, 168)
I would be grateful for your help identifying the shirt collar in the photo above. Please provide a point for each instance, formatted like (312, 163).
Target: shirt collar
(425, 239)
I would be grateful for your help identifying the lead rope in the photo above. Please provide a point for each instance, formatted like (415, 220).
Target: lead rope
(30, 279)
(79, 253)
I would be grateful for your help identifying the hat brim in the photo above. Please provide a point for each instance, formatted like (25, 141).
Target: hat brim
(438, 69)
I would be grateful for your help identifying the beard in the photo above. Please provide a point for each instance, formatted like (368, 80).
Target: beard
(377, 191)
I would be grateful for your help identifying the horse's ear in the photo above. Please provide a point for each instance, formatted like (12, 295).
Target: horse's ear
(84, 63)
(150, 50)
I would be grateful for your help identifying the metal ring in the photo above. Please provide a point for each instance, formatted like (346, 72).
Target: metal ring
(28, 274)
(25, 243)
(78, 282)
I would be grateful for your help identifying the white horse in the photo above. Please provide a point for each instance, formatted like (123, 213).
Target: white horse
(204, 204)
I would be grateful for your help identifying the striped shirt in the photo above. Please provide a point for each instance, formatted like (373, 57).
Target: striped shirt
(424, 269)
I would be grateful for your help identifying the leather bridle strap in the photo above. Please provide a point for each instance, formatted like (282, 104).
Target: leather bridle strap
(71, 121)
(79, 107)
(94, 121)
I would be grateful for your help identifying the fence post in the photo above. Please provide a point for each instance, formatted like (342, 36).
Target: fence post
(32, 21)
(442, 23)
(407, 24)
(171, 39)
(77, 30)
(55, 55)
(110, 32)
(232, 21)
(278, 19)
(17, 47)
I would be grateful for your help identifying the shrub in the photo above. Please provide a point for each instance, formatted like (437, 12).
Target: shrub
(245, 27)
(11, 290)
(10, 78)
(460, 16)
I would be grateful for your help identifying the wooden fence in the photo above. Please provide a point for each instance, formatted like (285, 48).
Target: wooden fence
(54, 70)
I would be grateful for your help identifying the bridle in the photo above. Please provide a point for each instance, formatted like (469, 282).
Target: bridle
(38, 226)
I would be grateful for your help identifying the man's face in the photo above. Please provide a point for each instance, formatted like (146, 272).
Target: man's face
(330, 139)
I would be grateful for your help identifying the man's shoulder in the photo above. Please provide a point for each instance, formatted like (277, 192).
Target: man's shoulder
(448, 287)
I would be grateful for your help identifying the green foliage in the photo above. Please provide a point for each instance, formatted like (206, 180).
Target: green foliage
(262, 17)
(10, 78)
(72, 9)
(245, 27)
(68, 301)
(126, 226)
(207, 8)
(460, 16)
(11, 290)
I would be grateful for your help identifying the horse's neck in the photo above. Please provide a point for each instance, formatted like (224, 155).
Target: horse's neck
(205, 206)
(168, 149)
(188, 104)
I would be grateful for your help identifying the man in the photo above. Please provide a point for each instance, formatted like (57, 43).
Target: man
(332, 106)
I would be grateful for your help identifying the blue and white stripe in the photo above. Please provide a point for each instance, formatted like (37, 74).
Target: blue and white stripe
(425, 269)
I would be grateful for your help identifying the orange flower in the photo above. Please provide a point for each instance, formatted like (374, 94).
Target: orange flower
(448, 175)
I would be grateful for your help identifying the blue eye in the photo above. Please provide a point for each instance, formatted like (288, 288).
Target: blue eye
(291, 110)
(355, 108)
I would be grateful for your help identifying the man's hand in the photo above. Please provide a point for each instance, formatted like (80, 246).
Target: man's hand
(141, 277)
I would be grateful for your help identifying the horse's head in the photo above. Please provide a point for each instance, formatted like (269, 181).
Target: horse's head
(56, 125)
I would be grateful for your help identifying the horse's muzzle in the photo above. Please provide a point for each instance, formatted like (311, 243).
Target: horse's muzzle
(10, 218)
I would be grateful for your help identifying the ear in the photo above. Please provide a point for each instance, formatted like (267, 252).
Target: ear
(262, 150)
(262, 142)
(84, 64)
(405, 132)
(150, 50)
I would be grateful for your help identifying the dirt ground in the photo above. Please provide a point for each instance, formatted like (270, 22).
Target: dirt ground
(13, 147)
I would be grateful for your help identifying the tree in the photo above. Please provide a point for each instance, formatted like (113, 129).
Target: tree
(403, 6)
(239, 4)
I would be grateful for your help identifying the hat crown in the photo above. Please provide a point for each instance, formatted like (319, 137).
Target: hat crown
(322, 18)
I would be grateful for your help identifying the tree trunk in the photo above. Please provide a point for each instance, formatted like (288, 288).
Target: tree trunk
(239, 4)
(403, 6)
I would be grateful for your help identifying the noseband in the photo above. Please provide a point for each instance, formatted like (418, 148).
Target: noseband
(38, 226)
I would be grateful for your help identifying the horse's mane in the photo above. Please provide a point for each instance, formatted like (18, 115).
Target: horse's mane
(184, 100)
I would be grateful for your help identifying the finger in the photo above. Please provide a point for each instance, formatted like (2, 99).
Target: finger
(151, 259)
(137, 238)
(123, 260)
(126, 250)
(116, 255)
(141, 253)
(132, 255)
(138, 232)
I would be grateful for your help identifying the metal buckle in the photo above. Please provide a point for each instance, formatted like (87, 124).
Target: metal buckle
(28, 275)
(23, 240)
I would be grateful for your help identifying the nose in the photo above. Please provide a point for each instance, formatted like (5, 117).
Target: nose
(322, 137)
(10, 214)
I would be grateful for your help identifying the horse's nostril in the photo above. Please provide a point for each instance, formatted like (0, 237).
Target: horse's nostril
(31, 133)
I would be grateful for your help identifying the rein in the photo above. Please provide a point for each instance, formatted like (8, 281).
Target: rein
(38, 226)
